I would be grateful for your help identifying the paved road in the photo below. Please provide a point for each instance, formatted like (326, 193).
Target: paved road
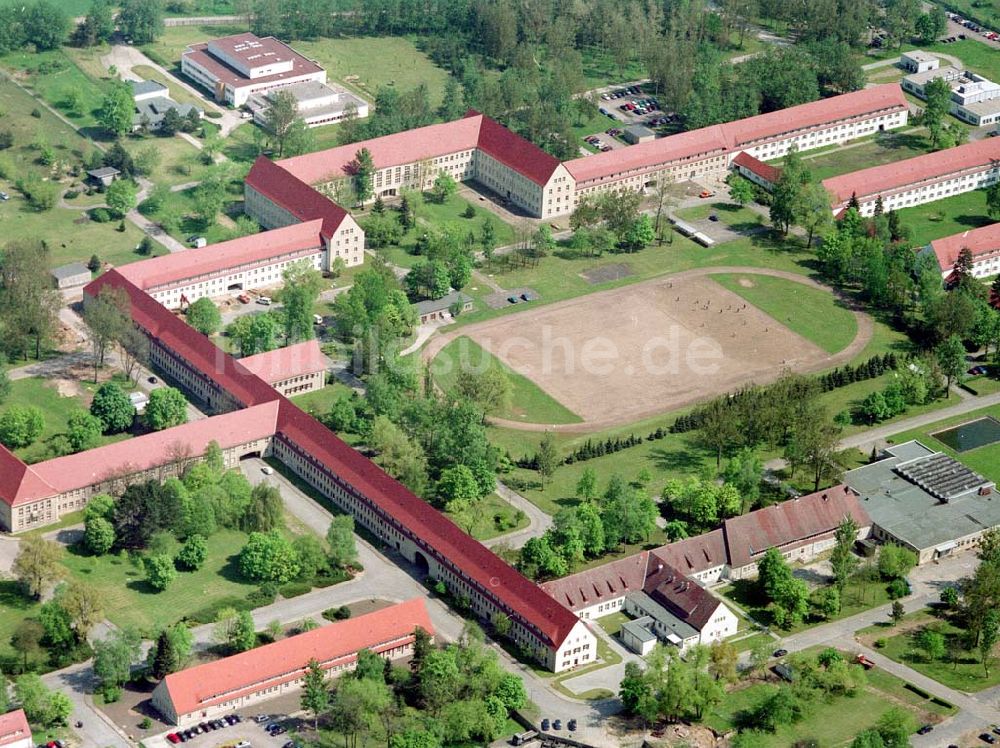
(538, 521)
(78, 682)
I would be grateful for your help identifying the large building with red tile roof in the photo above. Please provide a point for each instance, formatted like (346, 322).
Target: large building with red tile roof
(255, 261)
(257, 420)
(983, 243)
(709, 151)
(232, 683)
(14, 730)
(918, 180)
(473, 148)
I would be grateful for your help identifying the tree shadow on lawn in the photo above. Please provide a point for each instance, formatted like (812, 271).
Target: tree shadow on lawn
(687, 459)
(896, 140)
(973, 221)
(12, 597)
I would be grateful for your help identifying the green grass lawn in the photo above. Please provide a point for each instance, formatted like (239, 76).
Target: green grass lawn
(945, 217)
(55, 410)
(57, 79)
(976, 56)
(613, 623)
(16, 607)
(965, 675)
(815, 314)
(985, 460)
(850, 397)
(129, 601)
(319, 402)
(179, 163)
(494, 517)
(882, 149)
(169, 45)
(734, 216)
(528, 401)
(178, 211)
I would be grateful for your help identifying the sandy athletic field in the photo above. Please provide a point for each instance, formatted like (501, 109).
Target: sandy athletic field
(618, 356)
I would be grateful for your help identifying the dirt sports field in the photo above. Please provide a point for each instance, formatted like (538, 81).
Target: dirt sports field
(617, 356)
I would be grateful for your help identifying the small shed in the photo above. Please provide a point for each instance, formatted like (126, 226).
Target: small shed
(104, 176)
(74, 275)
(638, 134)
(638, 636)
(439, 309)
(918, 61)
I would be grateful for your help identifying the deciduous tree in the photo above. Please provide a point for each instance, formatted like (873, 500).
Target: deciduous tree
(204, 316)
(167, 407)
(38, 565)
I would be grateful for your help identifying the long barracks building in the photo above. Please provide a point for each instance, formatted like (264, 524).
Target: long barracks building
(255, 419)
(475, 148)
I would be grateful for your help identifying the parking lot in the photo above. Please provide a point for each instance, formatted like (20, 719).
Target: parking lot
(247, 733)
(624, 106)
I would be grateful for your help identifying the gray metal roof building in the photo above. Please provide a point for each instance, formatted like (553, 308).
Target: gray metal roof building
(925, 500)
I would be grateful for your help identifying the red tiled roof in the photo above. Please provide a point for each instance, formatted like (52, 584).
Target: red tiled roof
(694, 144)
(215, 258)
(766, 172)
(289, 191)
(693, 555)
(982, 241)
(390, 150)
(474, 130)
(513, 151)
(285, 363)
(14, 727)
(602, 583)
(18, 482)
(888, 96)
(199, 53)
(145, 452)
(286, 660)
(522, 597)
(683, 597)
(724, 138)
(187, 342)
(879, 180)
(791, 522)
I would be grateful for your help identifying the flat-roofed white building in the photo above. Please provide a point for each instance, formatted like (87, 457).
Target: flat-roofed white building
(918, 61)
(316, 103)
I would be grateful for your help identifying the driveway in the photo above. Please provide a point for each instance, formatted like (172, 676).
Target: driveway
(78, 682)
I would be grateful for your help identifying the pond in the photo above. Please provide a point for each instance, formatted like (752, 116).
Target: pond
(971, 435)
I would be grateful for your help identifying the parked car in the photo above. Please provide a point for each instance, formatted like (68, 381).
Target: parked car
(557, 725)
(512, 299)
(986, 737)
(780, 652)
(712, 217)
(265, 300)
(261, 718)
(571, 725)
(173, 737)
(545, 724)
(243, 298)
(925, 729)
(317, 319)
(706, 193)
(4, 196)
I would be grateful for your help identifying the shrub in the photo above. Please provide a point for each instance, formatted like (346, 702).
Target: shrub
(111, 693)
(897, 588)
(146, 723)
(36, 113)
(263, 595)
(294, 589)
(71, 194)
(469, 212)
(211, 113)
(337, 614)
(881, 643)
(100, 215)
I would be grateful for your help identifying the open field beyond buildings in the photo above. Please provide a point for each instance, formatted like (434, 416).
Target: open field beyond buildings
(56, 77)
(622, 355)
(527, 402)
(167, 48)
(814, 313)
(966, 674)
(985, 460)
(945, 217)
